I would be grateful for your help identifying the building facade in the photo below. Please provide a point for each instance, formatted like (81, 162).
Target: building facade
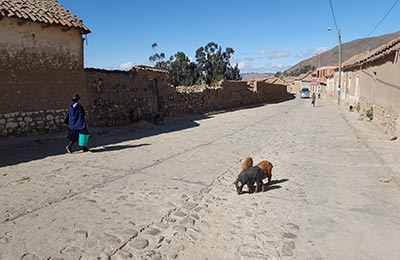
(371, 82)
(41, 52)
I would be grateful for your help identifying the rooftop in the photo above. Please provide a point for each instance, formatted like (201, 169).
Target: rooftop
(369, 56)
(41, 11)
(148, 68)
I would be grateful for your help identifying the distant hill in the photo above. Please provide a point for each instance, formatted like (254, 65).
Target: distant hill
(255, 76)
(349, 49)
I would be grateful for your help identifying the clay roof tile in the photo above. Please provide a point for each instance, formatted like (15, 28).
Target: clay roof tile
(45, 11)
(375, 54)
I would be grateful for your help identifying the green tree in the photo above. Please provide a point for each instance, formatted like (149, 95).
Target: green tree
(157, 58)
(182, 71)
(214, 63)
(233, 73)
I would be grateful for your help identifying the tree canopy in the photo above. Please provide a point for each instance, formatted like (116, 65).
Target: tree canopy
(212, 65)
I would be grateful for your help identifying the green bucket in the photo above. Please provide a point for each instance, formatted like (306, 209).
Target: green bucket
(83, 140)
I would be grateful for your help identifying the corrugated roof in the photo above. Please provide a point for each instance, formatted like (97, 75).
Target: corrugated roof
(373, 55)
(41, 11)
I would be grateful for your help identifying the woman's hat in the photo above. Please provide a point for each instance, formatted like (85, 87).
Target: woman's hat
(76, 97)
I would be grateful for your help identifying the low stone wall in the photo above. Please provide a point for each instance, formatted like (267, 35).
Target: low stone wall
(120, 97)
(32, 123)
(230, 94)
(384, 119)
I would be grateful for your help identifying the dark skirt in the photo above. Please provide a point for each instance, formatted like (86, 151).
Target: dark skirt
(73, 135)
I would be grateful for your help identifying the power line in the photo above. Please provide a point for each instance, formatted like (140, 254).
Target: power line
(383, 18)
(334, 17)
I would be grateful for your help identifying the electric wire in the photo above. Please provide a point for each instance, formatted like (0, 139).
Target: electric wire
(383, 17)
(333, 15)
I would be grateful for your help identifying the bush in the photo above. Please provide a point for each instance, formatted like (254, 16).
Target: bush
(370, 113)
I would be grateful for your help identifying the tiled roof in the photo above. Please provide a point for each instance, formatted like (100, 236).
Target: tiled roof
(354, 60)
(373, 55)
(302, 76)
(328, 67)
(42, 11)
(290, 79)
(307, 78)
(275, 80)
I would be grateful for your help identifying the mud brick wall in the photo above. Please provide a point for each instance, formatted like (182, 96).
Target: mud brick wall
(113, 97)
(41, 68)
(230, 94)
(117, 97)
(376, 85)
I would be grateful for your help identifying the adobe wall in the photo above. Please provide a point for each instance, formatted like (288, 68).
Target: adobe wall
(376, 86)
(186, 101)
(41, 68)
(119, 97)
(230, 94)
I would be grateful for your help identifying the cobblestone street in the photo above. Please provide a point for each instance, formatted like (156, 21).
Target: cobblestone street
(166, 192)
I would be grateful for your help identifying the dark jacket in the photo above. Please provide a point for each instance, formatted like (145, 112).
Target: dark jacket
(75, 118)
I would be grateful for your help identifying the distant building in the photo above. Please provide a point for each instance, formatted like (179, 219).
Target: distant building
(276, 80)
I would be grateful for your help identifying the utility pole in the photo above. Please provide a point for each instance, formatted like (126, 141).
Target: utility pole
(319, 75)
(340, 61)
(340, 64)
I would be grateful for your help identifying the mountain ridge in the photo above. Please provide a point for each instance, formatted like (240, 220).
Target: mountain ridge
(349, 49)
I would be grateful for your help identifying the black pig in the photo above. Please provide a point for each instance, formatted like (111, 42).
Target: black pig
(250, 176)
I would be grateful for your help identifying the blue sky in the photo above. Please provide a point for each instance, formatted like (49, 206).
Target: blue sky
(267, 36)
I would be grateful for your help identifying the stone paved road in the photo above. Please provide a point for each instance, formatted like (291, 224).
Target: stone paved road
(166, 192)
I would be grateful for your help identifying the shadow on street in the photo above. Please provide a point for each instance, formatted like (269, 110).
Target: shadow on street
(24, 149)
(115, 148)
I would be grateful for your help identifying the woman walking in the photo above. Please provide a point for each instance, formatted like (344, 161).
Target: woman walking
(76, 122)
(313, 99)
